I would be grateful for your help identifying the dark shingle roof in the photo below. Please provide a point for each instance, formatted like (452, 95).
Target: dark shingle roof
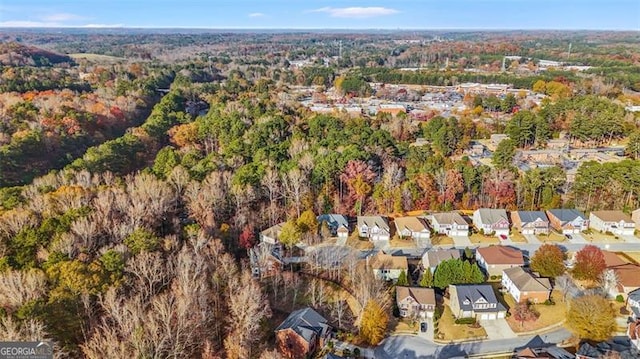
(531, 216)
(567, 215)
(306, 322)
(469, 294)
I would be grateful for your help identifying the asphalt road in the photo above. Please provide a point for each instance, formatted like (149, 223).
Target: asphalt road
(412, 347)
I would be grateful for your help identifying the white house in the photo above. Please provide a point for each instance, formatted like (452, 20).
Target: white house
(450, 223)
(491, 221)
(376, 228)
(475, 301)
(387, 267)
(412, 227)
(616, 222)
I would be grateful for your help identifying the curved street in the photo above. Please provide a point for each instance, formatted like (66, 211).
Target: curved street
(413, 347)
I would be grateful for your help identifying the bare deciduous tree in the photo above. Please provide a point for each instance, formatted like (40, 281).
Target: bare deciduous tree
(247, 307)
(19, 287)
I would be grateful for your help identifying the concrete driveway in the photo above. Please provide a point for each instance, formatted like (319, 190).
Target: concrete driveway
(531, 238)
(461, 241)
(429, 333)
(498, 329)
(577, 238)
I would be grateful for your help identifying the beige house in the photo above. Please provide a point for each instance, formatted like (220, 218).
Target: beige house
(525, 286)
(412, 228)
(616, 222)
(416, 301)
(387, 267)
(495, 259)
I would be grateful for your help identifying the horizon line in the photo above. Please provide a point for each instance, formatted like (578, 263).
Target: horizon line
(107, 27)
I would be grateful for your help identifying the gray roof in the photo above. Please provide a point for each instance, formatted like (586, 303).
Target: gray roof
(432, 258)
(567, 215)
(469, 294)
(372, 221)
(531, 216)
(306, 322)
(334, 220)
(490, 216)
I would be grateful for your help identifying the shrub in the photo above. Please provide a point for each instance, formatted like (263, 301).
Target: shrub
(346, 352)
(619, 298)
(330, 344)
(466, 321)
(356, 352)
(493, 277)
(549, 302)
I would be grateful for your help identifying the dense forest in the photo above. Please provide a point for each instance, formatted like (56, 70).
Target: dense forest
(125, 215)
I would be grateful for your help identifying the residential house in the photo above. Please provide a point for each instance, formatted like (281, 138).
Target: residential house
(386, 266)
(271, 234)
(450, 223)
(475, 301)
(616, 222)
(433, 257)
(416, 302)
(610, 349)
(338, 224)
(495, 259)
(302, 333)
(376, 228)
(567, 221)
(633, 303)
(635, 216)
(265, 259)
(524, 286)
(628, 278)
(412, 227)
(530, 222)
(547, 352)
(491, 221)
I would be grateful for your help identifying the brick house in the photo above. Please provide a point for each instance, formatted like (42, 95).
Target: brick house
(302, 333)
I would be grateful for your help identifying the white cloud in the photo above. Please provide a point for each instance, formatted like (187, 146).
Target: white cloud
(257, 14)
(357, 11)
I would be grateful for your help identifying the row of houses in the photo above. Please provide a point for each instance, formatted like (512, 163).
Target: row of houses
(489, 221)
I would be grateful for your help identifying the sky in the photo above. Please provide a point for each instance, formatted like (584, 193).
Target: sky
(325, 14)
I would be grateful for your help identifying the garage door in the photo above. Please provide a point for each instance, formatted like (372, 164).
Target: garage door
(501, 315)
(527, 231)
(492, 316)
(484, 317)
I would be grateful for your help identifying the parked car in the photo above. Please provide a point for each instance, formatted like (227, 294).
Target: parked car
(568, 236)
(423, 327)
(503, 237)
